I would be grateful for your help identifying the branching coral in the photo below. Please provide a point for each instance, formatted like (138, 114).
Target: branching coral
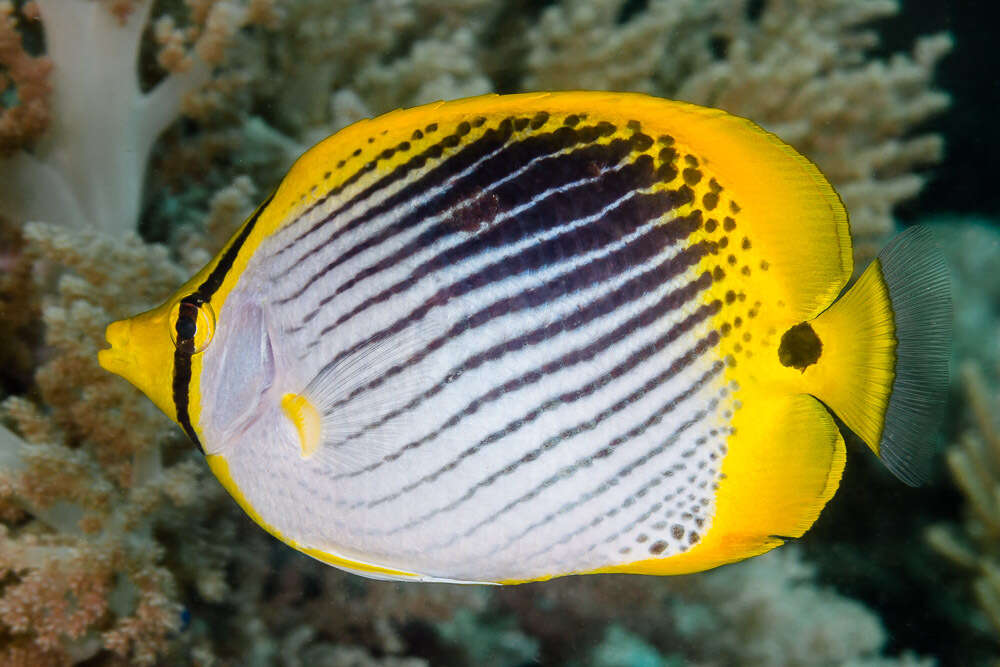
(347, 60)
(974, 463)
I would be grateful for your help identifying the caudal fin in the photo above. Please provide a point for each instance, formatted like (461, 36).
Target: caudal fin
(917, 278)
(893, 336)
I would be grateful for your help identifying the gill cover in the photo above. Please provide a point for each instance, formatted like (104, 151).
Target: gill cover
(238, 372)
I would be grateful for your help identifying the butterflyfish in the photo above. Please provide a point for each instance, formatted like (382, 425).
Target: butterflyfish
(515, 337)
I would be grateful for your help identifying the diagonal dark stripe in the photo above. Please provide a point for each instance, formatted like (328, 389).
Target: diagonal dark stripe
(433, 152)
(476, 199)
(636, 252)
(628, 292)
(587, 196)
(655, 418)
(634, 360)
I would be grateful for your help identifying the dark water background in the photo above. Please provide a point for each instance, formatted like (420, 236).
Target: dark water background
(963, 182)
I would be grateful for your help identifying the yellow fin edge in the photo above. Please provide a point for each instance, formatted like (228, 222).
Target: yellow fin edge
(220, 468)
(308, 423)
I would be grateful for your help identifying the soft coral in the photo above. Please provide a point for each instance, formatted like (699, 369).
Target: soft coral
(88, 170)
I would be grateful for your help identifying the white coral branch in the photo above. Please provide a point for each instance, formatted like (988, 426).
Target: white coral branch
(89, 170)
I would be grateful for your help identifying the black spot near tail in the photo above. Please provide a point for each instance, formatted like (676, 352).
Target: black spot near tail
(800, 347)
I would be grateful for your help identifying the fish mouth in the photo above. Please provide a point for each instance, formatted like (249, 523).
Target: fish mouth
(140, 351)
(117, 359)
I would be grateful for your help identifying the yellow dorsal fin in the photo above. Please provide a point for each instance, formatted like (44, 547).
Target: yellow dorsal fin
(308, 423)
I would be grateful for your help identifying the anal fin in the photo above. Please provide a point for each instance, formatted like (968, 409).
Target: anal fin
(783, 464)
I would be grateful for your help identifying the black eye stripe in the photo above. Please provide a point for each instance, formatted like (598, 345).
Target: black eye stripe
(186, 327)
(187, 318)
(184, 351)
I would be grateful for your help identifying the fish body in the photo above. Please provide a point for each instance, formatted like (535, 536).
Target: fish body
(514, 337)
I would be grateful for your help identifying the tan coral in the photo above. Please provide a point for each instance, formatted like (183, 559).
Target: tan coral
(331, 46)
(28, 77)
(89, 476)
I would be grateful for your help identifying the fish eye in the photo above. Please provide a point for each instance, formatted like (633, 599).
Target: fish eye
(192, 324)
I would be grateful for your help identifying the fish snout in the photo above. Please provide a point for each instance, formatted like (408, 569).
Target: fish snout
(119, 358)
(142, 352)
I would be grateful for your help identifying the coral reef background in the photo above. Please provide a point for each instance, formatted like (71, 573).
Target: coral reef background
(135, 135)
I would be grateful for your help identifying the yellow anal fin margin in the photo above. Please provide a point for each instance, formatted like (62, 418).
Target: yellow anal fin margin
(220, 468)
(784, 464)
(306, 418)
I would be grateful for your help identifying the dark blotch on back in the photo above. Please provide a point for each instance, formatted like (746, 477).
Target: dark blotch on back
(800, 347)
(591, 161)
(480, 209)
